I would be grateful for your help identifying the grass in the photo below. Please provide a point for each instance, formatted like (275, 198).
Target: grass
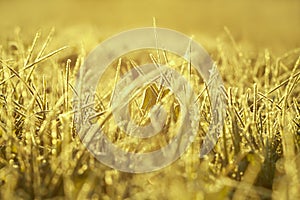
(258, 57)
(41, 156)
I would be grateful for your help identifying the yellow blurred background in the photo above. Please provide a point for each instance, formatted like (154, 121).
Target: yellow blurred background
(273, 24)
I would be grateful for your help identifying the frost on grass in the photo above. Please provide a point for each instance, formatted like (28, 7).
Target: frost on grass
(42, 157)
(216, 91)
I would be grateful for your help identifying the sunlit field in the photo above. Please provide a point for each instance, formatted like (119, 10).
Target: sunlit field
(256, 47)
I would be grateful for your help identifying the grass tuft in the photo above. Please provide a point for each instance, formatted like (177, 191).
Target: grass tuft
(41, 156)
